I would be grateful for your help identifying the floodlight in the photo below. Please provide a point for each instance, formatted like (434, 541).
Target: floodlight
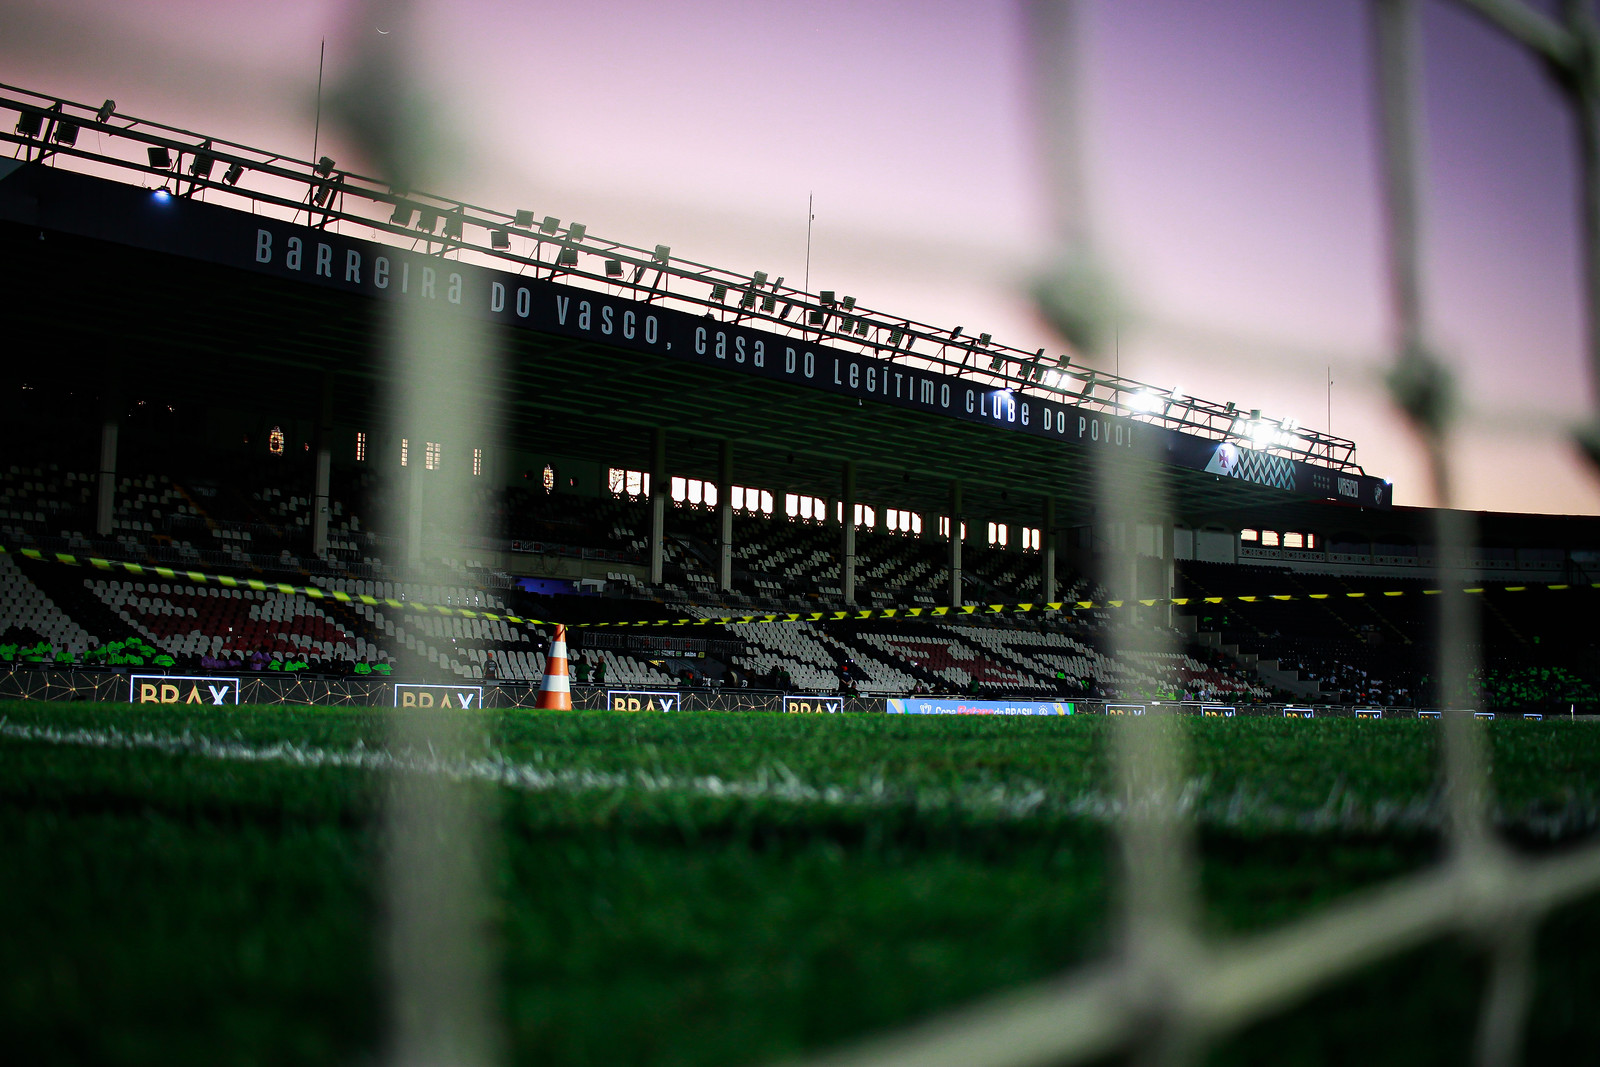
(499, 239)
(662, 253)
(29, 123)
(568, 257)
(576, 231)
(1145, 401)
(523, 220)
(719, 292)
(234, 173)
(550, 224)
(955, 333)
(200, 166)
(613, 268)
(817, 318)
(324, 166)
(403, 210)
(997, 362)
(160, 158)
(895, 337)
(452, 225)
(849, 303)
(1228, 409)
(827, 298)
(107, 109)
(427, 219)
(768, 303)
(984, 339)
(760, 278)
(66, 133)
(748, 299)
(861, 327)
(320, 196)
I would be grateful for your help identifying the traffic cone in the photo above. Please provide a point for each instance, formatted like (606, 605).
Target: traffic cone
(555, 693)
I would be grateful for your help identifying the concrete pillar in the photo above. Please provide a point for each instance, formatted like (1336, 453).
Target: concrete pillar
(847, 557)
(319, 503)
(660, 493)
(955, 543)
(725, 516)
(1130, 534)
(105, 506)
(1169, 568)
(1047, 547)
(416, 452)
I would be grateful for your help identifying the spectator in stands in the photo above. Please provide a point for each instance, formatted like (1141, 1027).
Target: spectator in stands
(581, 672)
(600, 673)
(491, 669)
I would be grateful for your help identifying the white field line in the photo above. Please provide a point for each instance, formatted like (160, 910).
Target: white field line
(1340, 812)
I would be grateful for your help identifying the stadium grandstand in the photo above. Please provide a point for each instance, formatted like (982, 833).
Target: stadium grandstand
(908, 507)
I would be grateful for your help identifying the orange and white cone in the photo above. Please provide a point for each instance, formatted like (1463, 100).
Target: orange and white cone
(556, 693)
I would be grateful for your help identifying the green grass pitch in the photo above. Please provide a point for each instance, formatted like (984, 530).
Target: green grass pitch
(201, 886)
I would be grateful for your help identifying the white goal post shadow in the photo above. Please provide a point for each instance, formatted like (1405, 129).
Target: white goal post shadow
(1167, 991)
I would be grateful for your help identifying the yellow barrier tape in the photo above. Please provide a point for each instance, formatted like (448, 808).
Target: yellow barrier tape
(852, 615)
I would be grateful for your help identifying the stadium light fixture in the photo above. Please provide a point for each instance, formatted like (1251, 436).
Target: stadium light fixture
(160, 158)
(107, 109)
(576, 230)
(403, 210)
(568, 257)
(550, 224)
(200, 166)
(662, 253)
(499, 239)
(324, 166)
(827, 298)
(234, 173)
(66, 133)
(453, 224)
(427, 219)
(613, 268)
(1144, 401)
(30, 123)
(719, 293)
(759, 278)
(523, 220)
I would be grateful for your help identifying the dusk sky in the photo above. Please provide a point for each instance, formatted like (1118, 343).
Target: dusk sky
(1230, 145)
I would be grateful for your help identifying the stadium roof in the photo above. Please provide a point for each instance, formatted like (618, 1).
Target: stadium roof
(153, 292)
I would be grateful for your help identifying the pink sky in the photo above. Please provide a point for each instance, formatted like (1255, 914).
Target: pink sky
(1230, 151)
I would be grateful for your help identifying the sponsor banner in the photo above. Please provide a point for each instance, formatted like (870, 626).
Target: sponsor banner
(1221, 711)
(927, 706)
(51, 199)
(1293, 712)
(1369, 713)
(643, 700)
(813, 705)
(417, 695)
(1125, 709)
(182, 689)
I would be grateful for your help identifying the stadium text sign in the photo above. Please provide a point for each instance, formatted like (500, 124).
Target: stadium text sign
(813, 705)
(920, 706)
(417, 695)
(94, 207)
(182, 689)
(642, 700)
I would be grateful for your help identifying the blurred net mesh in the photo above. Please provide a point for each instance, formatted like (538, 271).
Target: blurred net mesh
(1167, 991)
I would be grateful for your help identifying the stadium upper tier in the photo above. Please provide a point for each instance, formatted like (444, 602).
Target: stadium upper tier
(601, 333)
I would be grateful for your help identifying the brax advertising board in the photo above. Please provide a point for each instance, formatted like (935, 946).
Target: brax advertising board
(924, 706)
(50, 199)
(182, 689)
